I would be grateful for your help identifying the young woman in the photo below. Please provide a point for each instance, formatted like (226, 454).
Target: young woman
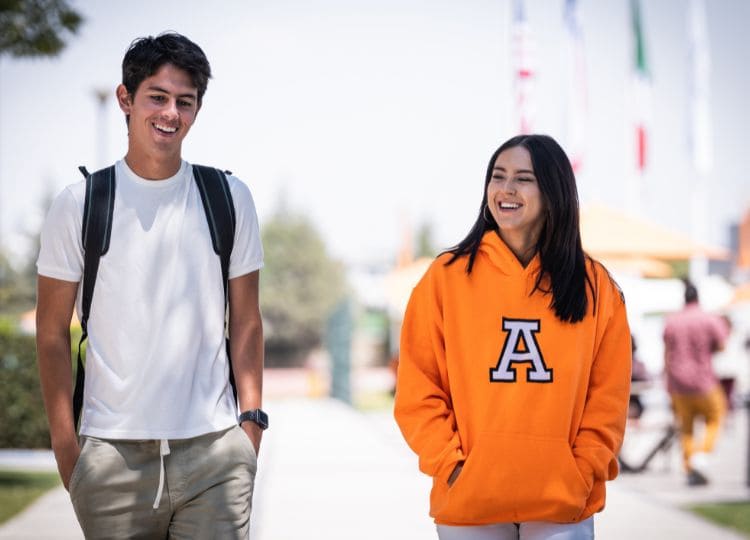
(515, 359)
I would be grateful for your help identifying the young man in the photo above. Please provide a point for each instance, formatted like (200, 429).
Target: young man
(691, 337)
(160, 453)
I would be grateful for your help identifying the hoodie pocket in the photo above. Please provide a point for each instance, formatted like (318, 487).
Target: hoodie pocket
(510, 477)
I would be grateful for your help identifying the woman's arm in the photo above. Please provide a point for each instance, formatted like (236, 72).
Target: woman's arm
(603, 423)
(423, 407)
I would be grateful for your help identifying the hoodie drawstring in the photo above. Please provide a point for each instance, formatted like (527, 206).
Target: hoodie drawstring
(163, 451)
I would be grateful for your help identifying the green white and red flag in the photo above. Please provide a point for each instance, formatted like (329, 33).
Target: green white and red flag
(641, 90)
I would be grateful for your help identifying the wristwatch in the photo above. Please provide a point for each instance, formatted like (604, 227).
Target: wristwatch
(254, 415)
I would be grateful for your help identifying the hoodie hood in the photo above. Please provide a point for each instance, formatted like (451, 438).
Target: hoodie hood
(495, 251)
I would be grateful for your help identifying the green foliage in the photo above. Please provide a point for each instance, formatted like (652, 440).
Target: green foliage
(299, 286)
(680, 269)
(36, 27)
(21, 409)
(731, 514)
(17, 289)
(18, 489)
(374, 401)
(18, 280)
(22, 415)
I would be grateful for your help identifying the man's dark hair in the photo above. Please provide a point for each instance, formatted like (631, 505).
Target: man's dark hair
(691, 293)
(147, 54)
(559, 244)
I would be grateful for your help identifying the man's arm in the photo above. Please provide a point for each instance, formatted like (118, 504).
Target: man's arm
(55, 303)
(721, 330)
(246, 347)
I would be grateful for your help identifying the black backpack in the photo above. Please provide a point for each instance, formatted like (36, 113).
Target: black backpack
(96, 230)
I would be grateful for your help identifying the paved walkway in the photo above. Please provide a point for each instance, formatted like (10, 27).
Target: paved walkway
(329, 472)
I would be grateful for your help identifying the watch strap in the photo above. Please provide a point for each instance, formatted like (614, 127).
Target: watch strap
(254, 415)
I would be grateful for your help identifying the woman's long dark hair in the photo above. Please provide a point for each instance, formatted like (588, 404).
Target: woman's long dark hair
(559, 244)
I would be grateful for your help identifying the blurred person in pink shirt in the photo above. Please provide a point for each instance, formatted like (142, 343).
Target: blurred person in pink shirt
(691, 337)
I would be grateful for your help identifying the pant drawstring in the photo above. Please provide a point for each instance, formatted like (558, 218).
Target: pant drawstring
(163, 451)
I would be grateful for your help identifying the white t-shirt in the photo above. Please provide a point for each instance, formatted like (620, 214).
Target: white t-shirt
(156, 363)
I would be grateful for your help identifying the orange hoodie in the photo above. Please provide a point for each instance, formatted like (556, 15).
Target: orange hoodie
(534, 406)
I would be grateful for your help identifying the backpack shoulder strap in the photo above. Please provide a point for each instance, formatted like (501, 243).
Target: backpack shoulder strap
(96, 229)
(218, 205)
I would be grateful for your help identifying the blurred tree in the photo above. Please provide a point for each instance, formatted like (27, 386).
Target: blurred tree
(18, 278)
(425, 246)
(36, 27)
(21, 409)
(300, 285)
(32, 28)
(17, 288)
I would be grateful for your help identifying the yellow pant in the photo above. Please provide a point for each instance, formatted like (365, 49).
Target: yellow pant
(687, 407)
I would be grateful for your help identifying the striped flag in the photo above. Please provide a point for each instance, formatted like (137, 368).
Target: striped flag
(641, 110)
(523, 71)
(577, 97)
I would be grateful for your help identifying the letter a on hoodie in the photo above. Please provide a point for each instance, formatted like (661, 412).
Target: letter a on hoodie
(520, 329)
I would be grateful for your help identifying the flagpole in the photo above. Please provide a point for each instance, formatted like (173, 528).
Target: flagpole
(699, 132)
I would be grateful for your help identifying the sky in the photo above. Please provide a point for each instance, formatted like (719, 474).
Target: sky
(373, 117)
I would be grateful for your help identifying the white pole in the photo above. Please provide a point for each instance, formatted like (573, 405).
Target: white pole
(699, 132)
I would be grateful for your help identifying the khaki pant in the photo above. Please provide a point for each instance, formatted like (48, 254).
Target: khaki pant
(207, 487)
(687, 408)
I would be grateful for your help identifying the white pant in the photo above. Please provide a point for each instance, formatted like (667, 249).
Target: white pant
(530, 530)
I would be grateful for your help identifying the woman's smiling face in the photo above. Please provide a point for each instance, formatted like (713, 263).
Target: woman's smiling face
(513, 196)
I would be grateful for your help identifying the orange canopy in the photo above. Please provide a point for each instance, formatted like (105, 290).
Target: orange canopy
(649, 268)
(609, 234)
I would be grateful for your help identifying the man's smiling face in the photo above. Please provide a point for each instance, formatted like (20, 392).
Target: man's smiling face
(161, 112)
